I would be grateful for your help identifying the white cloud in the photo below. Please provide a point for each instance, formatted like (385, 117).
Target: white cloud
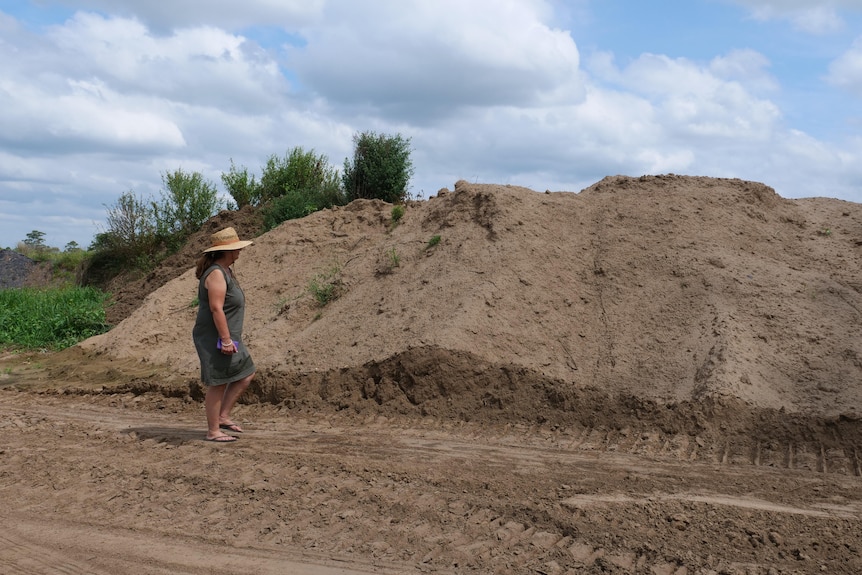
(746, 66)
(435, 57)
(202, 64)
(230, 15)
(694, 101)
(820, 18)
(846, 70)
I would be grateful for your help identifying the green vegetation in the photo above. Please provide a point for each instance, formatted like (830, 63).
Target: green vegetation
(65, 265)
(50, 318)
(188, 201)
(35, 241)
(433, 242)
(294, 186)
(141, 231)
(327, 286)
(381, 168)
(299, 171)
(394, 260)
(242, 187)
(130, 241)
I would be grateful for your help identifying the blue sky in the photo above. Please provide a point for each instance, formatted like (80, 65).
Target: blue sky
(102, 97)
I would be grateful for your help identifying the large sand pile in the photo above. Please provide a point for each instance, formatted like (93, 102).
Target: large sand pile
(655, 375)
(665, 289)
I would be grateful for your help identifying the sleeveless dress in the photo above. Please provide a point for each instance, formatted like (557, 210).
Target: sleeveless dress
(218, 368)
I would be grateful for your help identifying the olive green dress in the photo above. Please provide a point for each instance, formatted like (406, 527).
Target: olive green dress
(218, 368)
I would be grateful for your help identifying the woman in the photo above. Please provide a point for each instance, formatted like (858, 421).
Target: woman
(226, 366)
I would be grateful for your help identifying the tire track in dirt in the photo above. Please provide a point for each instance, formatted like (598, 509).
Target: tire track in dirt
(36, 547)
(423, 496)
(841, 458)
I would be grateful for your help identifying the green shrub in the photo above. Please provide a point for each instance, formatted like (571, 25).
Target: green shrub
(141, 232)
(50, 318)
(242, 187)
(188, 201)
(433, 242)
(297, 170)
(290, 206)
(381, 168)
(297, 185)
(397, 214)
(131, 240)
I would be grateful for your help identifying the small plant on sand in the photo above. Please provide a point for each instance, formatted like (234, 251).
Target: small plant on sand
(395, 217)
(432, 242)
(327, 286)
(394, 258)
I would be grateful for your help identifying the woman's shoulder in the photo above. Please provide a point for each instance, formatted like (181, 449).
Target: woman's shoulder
(213, 268)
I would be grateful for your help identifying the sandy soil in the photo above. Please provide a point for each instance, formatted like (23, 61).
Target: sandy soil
(657, 375)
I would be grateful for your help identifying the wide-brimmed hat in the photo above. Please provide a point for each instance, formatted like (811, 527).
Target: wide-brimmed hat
(226, 240)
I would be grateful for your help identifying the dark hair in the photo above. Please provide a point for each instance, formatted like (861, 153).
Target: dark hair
(204, 262)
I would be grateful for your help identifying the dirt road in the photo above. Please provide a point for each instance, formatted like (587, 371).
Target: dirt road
(104, 483)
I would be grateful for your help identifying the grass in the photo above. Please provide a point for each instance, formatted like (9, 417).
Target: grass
(396, 215)
(64, 265)
(53, 318)
(326, 287)
(393, 258)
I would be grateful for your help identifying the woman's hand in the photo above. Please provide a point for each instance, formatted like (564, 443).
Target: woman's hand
(228, 346)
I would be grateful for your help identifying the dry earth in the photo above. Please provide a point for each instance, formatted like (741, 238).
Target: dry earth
(657, 375)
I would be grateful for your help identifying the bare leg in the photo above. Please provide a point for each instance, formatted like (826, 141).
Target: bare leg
(213, 406)
(231, 394)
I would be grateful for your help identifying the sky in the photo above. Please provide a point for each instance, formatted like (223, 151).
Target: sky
(102, 97)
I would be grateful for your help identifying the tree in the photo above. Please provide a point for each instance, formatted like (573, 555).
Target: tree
(381, 168)
(130, 241)
(131, 224)
(72, 247)
(241, 186)
(188, 201)
(35, 240)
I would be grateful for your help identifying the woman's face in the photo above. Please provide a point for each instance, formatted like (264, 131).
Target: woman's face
(230, 256)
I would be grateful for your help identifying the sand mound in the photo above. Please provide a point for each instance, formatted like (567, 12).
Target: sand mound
(666, 289)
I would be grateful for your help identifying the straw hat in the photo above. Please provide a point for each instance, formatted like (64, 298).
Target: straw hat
(226, 240)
